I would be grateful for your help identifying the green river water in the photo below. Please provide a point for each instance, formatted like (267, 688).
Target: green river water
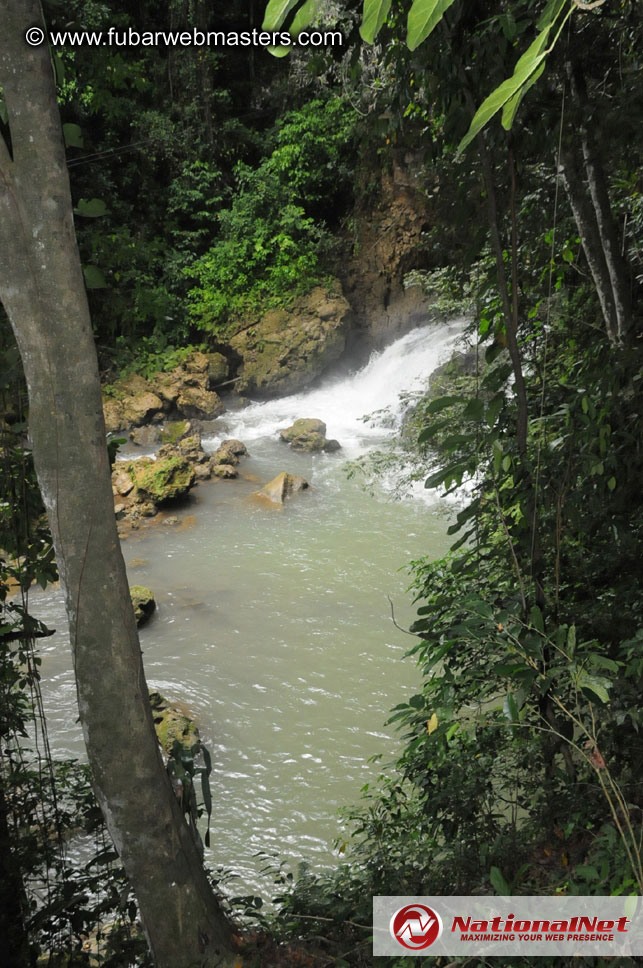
(273, 628)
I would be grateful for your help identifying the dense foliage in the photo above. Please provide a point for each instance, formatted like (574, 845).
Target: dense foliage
(210, 188)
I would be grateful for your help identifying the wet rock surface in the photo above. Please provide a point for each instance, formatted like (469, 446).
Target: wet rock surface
(282, 487)
(308, 435)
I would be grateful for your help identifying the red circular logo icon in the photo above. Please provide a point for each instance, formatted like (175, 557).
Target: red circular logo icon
(416, 926)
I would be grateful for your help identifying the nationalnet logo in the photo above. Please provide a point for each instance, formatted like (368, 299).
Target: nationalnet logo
(416, 926)
(607, 926)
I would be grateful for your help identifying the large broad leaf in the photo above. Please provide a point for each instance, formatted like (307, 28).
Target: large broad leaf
(549, 17)
(304, 16)
(551, 13)
(424, 16)
(73, 136)
(374, 15)
(94, 278)
(276, 13)
(499, 883)
(512, 105)
(302, 19)
(528, 65)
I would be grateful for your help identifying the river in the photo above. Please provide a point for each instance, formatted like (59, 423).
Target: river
(274, 628)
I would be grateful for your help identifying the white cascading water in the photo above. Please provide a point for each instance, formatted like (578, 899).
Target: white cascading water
(343, 402)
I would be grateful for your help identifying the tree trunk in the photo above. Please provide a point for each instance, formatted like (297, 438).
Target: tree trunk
(593, 214)
(585, 218)
(598, 190)
(42, 289)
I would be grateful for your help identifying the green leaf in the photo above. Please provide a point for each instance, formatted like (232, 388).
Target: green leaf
(595, 685)
(59, 69)
(526, 67)
(571, 640)
(374, 15)
(550, 14)
(92, 208)
(73, 136)
(494, 408)
(441, 403)
(611, 483)
(499, 883)
(304, 17)
(474, 409)
(282, 51)
(512, 105)
(536, 619)
(94, 278)
(424, 16)
(276, 13)
(510, 709)
(4, 116)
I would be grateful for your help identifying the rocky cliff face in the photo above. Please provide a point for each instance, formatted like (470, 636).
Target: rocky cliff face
(387, 244)
(289, 348)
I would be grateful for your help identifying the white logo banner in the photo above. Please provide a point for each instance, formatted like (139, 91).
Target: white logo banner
(608, 926)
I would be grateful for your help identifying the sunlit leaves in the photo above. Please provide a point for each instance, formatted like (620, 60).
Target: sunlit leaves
(529, 67)
(424, 16)
(276, 13)
(374, 16)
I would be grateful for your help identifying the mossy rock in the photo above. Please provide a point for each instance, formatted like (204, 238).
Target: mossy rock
(162, 480)
(174, 431)
(143, 602)
(303, 427)
(171, 724)
(217, 369)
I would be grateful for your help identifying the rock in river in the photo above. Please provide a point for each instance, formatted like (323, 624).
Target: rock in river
(282, 486)
(143, 602)
(308, 434)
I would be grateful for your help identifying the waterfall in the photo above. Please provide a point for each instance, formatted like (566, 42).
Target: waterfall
(343, 402)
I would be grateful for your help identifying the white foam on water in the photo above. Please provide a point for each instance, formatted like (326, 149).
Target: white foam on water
(343, 402)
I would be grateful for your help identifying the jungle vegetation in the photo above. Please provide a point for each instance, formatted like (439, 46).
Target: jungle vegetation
(208, 185)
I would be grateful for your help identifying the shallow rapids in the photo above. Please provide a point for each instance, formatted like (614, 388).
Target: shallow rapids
(274, 628)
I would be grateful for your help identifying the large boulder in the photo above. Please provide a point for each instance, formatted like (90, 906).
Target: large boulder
(188, 447)
(226, 472)
(199, 403)
(282, 486)
(289, 347)
(141, 409)
(143, 602)
(182, 392)
(161, 480)
(305, 425)
(307, 435)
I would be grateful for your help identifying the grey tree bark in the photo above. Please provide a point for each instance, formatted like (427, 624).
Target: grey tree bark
(42, 290)
(587, 190)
